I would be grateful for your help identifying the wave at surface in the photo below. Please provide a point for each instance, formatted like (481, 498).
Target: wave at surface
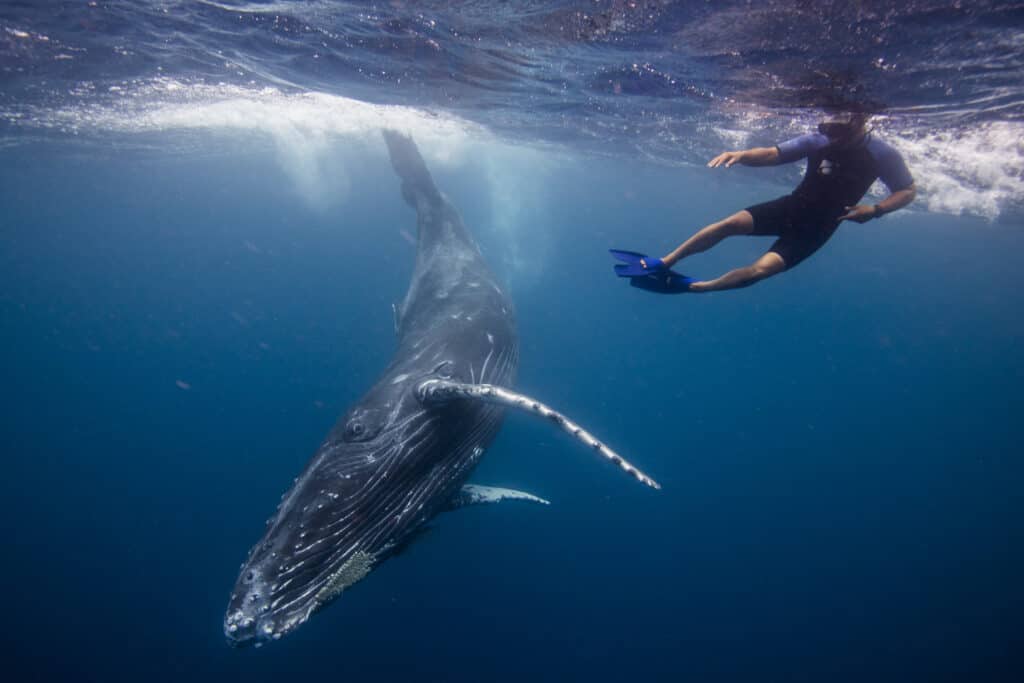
(671, 82)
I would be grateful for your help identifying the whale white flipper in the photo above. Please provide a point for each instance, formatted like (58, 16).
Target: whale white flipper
(442, 391)
(474, 494)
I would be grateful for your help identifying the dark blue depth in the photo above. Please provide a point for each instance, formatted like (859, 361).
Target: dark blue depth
(839, 447)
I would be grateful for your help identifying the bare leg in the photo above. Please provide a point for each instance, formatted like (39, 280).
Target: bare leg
(766, 266)
(740, 223)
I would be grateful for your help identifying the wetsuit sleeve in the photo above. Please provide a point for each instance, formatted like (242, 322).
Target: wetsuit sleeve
(801, 147)
(891, 167)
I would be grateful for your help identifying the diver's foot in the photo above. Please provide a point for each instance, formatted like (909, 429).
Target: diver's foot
(653, 264)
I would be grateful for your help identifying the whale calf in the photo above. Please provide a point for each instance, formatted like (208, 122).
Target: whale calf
(403, 453)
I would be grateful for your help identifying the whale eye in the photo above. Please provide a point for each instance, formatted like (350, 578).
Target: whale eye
(363, 425)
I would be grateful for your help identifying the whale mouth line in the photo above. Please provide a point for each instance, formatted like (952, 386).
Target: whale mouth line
(241, 630)
(283, 583)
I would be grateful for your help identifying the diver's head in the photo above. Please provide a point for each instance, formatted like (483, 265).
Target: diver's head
(844, 129)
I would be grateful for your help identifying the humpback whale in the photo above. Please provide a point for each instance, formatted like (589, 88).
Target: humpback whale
(403, 453)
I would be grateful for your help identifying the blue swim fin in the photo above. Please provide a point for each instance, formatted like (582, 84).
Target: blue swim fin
(632, 266)
(663, 282)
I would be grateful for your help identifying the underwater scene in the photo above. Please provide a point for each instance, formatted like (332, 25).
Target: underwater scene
(595, 340)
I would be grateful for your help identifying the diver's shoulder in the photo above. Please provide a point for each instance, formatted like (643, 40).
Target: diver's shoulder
(879, 148)
(814, 140)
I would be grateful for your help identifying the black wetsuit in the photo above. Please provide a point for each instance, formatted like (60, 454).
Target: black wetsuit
(836, 178)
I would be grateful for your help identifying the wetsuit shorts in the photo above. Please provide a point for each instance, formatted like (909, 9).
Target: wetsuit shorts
(802, 228)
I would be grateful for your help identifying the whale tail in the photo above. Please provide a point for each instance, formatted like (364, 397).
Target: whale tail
(410, 167)
(437, 221)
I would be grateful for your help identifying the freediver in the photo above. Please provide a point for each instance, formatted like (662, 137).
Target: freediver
(844, 158)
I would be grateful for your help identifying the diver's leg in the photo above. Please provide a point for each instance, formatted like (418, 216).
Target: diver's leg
(766, 266)
(740, 223)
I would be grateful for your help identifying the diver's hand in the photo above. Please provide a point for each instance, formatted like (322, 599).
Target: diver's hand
(861, 213)
(726, 159)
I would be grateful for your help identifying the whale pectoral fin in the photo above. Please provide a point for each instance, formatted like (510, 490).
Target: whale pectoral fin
(438, 391)
(398, 317)
(474, 494)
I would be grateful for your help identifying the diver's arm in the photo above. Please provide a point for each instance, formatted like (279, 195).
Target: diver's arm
(862, 213)
(756, 156)
(897, 200)
(783, 153)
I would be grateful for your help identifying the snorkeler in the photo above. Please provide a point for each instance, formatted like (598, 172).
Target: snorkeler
(843, 160)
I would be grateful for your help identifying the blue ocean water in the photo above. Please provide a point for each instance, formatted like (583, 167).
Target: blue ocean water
(201, 239)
